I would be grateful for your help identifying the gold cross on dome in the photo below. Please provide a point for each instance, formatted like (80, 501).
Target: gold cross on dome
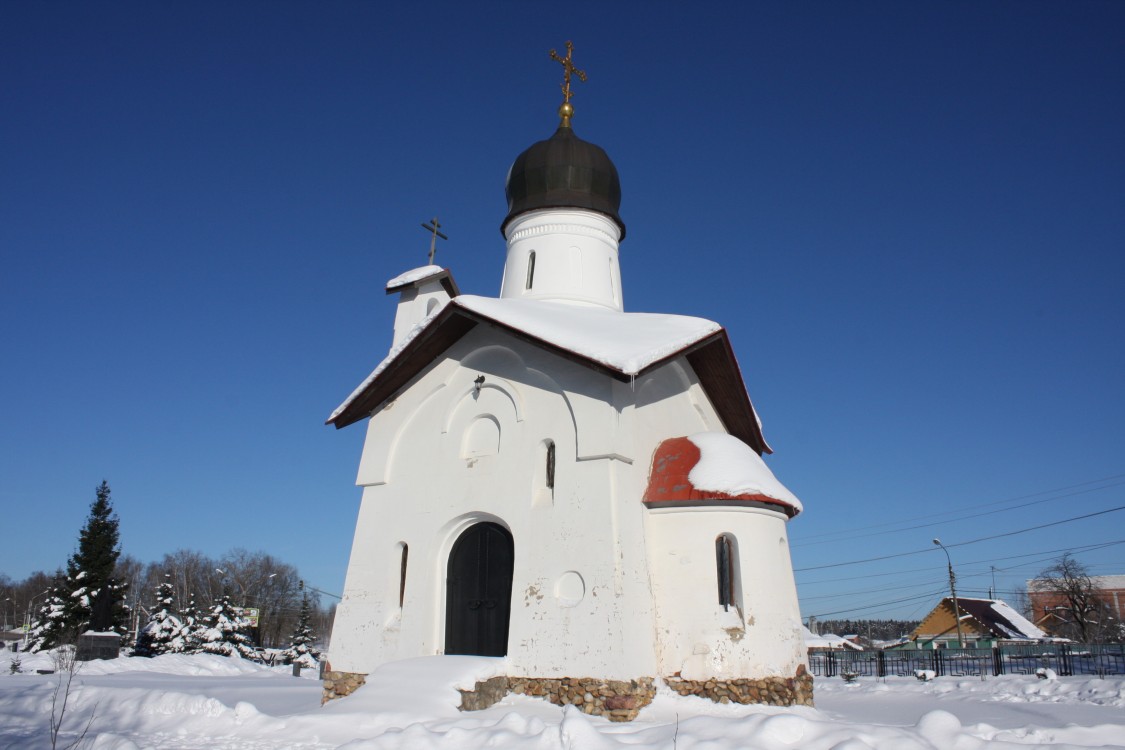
(568, 68)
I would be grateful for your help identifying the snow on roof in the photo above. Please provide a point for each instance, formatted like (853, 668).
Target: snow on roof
(1024, 627)
(728, 465)
(828, 640)
(625, 342)
(414, 275)
(999, 617)
(387, 360)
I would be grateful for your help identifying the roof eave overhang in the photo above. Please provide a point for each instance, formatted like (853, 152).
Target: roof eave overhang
(445, 277)
(717, 368)
(444, 330)
(712, 359)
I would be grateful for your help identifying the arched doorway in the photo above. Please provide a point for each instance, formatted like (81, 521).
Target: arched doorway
(478, 600)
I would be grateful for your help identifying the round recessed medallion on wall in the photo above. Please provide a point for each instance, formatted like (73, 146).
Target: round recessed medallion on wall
(570, 589)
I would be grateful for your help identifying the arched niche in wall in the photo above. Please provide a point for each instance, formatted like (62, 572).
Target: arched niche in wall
(481, 437)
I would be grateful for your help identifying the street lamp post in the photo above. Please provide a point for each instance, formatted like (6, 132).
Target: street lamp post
(953, 593)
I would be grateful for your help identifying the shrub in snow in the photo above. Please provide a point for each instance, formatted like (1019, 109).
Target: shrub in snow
(188, 639)
(225, 632)
(1045, 673)
(49, 627)
(163, 627)
(301, 650)
(15, 666)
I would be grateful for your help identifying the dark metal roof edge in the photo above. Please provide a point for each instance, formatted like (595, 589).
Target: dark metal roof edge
(778, 506)
(402, 369)
(445, 276)
(753, 429)
(398, 371)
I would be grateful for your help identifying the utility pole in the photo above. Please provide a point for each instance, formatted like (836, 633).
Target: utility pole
(953, 593)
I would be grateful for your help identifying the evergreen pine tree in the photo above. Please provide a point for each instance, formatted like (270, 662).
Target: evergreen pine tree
(188, 639)
(301, 649)
(49, 628)
(157, 635)
(96, 600)
(225, 632)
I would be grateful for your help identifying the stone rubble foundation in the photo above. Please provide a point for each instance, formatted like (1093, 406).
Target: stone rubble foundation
(772, 691)
(620, 700)
(617, 700)
(339, 684)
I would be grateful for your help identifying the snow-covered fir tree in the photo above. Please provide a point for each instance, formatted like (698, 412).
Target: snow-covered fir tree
(49, 627)
(95, 599)
(225, 631)
(189, 637)
(301, 650)
(161, 630)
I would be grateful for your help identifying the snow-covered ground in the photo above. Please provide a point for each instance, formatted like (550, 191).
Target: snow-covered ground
(177, 702)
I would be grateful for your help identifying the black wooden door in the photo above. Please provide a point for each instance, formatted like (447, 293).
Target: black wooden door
(478, 599)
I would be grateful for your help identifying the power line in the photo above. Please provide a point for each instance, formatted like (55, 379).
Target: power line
(859, 593)
(1084, 548)
(958, 518)
(974, 506)
(963, 544)
(918, 597)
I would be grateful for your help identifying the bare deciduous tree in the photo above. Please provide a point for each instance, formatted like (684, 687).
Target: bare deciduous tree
(1075, 608)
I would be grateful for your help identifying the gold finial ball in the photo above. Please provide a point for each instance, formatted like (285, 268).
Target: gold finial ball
(566, 111)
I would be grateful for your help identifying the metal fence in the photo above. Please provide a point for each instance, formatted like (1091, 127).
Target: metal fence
(1063, 658)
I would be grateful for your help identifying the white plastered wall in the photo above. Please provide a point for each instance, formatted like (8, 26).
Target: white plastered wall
(576, 258)
(580, 604)
(595, 592)
(415, 303)
(759, 635)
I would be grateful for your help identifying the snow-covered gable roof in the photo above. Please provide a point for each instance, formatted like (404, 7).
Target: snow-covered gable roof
(714, 468)
(999, 618)
(418, 276)
(624, 342)
(828, 641)
(622, 345)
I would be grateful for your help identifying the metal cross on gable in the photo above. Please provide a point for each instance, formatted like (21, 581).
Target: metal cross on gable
(568, 68)
(433, 226)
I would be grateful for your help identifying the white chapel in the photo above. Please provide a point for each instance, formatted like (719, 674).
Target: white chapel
(574, 489)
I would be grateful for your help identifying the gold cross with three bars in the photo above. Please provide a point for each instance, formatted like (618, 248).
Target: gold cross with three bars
(568, 68)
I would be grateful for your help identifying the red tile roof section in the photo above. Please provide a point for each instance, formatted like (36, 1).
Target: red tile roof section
(668, 480)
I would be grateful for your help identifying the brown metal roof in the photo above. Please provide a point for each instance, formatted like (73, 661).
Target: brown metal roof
(712, 359)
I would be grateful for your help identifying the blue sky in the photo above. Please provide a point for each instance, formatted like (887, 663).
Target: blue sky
(910, 217)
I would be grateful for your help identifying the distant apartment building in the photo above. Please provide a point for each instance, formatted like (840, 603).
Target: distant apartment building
(1050, 608)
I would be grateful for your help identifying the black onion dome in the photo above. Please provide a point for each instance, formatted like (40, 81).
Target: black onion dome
(563, 171)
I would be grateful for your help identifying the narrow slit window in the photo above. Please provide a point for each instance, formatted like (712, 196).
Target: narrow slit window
(724, 564)
(550, 465)
(530, 269)
(402, 575)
